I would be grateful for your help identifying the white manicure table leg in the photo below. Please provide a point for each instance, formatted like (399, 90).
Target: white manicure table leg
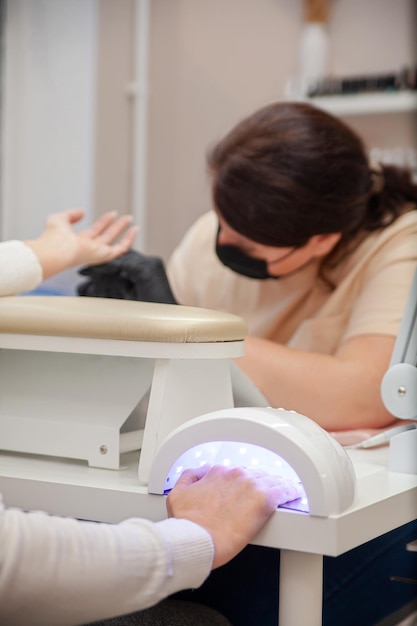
(300, 589)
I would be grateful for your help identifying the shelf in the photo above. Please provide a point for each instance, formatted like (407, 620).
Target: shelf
(367, 104)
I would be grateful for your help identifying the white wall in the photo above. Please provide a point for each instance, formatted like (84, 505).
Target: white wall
(48, 107)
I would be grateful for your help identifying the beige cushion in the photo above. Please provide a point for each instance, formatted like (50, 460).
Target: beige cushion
(105, 318)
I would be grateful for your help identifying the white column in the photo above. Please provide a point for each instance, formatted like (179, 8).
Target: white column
(300, 589)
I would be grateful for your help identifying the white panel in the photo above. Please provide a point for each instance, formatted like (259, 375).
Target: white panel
(49, 102)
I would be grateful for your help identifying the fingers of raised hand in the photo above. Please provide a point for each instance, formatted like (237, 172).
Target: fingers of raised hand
(108, 227)
(64, 218)
(128, 238)
(104, 233)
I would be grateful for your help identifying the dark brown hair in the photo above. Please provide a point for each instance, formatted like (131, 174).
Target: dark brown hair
(291, 171)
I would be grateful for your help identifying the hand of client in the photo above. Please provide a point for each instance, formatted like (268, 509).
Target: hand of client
(232, 504)
(59, 247)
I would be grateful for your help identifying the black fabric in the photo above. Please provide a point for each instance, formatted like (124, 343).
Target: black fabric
(132, 276)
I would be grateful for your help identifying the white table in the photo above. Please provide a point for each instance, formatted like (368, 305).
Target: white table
(384, 501)
(48, 400)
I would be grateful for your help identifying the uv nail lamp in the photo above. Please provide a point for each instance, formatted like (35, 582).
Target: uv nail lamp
(275, 440)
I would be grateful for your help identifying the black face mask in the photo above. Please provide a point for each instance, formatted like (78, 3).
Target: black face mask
(241, 263)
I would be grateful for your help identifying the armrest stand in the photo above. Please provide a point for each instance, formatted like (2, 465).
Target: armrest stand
(72, 371)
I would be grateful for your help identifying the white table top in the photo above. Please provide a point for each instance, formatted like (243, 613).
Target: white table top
(384, 500)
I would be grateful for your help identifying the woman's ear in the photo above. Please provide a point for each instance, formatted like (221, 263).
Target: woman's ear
(324, 244)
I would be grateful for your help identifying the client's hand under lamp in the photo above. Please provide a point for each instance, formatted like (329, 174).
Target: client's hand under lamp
(203, 495)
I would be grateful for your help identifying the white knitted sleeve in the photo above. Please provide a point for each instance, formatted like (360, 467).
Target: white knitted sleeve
(20, 269)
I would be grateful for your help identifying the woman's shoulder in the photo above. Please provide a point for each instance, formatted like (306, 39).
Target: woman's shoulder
(203, 228)
(403, 229)
(407, 222)
(198, 239)
(400, 235)
(378, 249)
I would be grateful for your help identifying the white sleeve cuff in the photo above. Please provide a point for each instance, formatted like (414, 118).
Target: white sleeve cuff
(20, 268)
(191, 551)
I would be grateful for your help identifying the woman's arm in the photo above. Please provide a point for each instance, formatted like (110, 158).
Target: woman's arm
(339, 392)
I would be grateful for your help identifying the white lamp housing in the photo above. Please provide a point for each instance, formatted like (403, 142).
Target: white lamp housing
(311, 456)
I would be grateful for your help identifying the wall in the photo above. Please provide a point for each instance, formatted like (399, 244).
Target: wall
(48, 117)
(70, 97)
(214, 61)
(74, 114)
(115, 106)
(49, 102)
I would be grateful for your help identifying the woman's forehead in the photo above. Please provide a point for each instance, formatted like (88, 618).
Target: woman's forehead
(240, 240)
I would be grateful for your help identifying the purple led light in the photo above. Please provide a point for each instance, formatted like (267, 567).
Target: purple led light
(235, 453)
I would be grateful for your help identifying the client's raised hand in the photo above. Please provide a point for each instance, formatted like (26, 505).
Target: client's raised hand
(232, 504)
(59, 247)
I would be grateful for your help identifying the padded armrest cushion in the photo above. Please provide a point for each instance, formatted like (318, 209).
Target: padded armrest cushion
(107, 318)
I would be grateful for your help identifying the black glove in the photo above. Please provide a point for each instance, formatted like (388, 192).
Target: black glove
(132, 276)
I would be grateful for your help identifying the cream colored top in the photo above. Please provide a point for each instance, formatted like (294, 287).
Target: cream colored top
(299, 310)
